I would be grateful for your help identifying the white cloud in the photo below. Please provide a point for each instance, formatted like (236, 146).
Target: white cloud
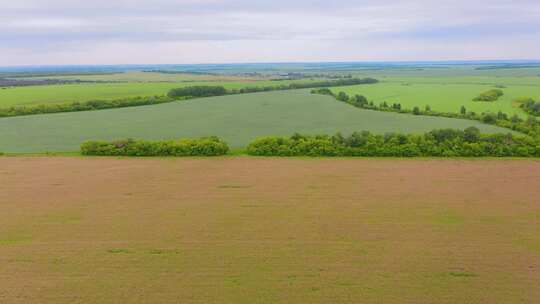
(138, 31)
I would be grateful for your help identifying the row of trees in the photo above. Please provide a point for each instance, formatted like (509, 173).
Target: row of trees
(208, 146)
(197, 91)
(83, 106)
(207, 91)
(530, 126)
(437, 143)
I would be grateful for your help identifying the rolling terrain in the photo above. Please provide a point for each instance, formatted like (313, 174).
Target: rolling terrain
(238, 119)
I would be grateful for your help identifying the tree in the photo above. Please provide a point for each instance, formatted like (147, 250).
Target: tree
(471, 134)
(428, 108)
(342, 96)
(463, 110)
(416, 111)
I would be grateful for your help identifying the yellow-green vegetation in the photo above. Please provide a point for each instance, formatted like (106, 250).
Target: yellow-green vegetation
(56, 94)
(449, 94)
(491, 95)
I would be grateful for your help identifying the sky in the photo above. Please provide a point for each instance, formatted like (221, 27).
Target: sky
(58, 32)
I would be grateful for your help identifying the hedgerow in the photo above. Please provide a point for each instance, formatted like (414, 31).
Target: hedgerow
(207, 146)
(83, 106)
(437, 143)
(530, 126)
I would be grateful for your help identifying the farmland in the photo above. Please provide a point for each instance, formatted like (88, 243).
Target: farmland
(238, 119)
(449, 94)
(247, 230)
(37, 95)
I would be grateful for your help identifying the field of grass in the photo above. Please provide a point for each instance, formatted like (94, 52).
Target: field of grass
(51, 94)
(147, 77)
(248, 230)
(238, 119)
(448, 94)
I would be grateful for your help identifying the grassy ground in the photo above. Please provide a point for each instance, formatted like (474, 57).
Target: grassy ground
(248, 230)
(148, 77)
(36, 95)
(238, 119)
(448, 94)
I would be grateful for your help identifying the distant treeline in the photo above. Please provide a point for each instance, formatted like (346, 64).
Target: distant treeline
(530, 126)
(8, 82)
(508, 66)
(207, 91)
(437, 143)
(83, 106)
(180, 72)
(208, 146)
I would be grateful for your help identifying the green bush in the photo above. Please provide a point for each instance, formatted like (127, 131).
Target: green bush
(491, 95)
(207, 146)
(437, 143)
(529, 105)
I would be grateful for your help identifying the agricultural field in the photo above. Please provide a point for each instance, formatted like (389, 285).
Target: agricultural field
(448, 94)
(147, 77)
(254, 230)
(238, 119)
(54, 94)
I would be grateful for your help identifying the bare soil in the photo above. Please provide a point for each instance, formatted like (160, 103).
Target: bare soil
(249, 230)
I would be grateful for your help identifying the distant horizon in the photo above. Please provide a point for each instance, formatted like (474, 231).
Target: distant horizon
(396, 62)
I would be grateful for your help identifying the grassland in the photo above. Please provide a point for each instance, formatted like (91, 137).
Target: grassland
(52, 94)
(148, 77)
(238, 119)
(448, 94)
(245, 230)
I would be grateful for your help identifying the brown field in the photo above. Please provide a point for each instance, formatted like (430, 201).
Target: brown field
(249, 230)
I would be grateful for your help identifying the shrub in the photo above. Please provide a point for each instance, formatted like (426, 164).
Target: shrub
(439, 143)
(207, 146)
(491, 95)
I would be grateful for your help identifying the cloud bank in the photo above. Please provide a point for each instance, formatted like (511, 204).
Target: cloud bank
(37, 32)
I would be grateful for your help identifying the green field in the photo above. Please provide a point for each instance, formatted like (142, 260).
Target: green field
(448, 94)
(238, 119)
(146, 77)
(50, 94)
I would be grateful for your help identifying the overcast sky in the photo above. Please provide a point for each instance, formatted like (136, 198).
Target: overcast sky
(43, 32)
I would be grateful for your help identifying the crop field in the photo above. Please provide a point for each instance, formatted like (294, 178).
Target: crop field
(238, 119)
(51, 94)
(251, 230)
(447, 94)
(148, 77)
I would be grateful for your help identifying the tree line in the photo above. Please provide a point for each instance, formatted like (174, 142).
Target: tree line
(529, 126)
(208, 91)
(437, 143)
(83, 106)
(207, 146)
